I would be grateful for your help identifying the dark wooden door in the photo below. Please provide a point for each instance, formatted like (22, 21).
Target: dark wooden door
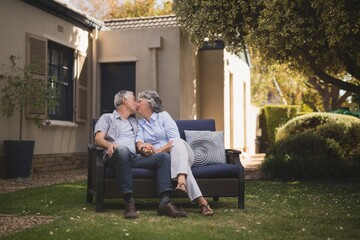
(115, 77)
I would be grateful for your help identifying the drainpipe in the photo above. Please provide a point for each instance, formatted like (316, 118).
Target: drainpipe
(94, 74)
(155, 70)
(154, 43)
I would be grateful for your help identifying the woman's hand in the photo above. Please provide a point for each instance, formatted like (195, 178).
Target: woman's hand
(146, 149)
(166, 148)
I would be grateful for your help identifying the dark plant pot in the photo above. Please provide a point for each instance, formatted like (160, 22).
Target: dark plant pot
(18, 155)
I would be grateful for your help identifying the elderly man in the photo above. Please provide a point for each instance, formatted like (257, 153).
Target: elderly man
(115, 132)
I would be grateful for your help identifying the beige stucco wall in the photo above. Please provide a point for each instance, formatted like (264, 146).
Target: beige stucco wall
(224, 87)
(189, 77)
(211, 86)
(158, 66)
(237, 118)
(17, 18)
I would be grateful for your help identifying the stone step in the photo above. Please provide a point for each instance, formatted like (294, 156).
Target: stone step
(251, 163)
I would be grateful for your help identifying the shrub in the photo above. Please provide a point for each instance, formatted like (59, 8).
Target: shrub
(336, 131)
(312, 121)
(305, 155)
(354, 162)
(275, 116)
(354, 151)
(317, 145)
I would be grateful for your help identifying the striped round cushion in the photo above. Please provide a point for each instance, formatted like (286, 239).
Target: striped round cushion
(208, 146)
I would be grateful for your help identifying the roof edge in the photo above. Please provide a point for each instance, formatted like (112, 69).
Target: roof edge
(64, 11)
(139, 18)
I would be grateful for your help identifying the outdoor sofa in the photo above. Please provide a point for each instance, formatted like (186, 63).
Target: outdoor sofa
(215, 180)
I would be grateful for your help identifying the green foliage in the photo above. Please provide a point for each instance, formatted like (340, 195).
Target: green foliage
(107, 9)
(318, 38)
(316, 146)
(293, 85)
(277, 115)
(305, 155)
(141, 8)
(21, 88)
(308, 211)
(353, 138)
(312, 121)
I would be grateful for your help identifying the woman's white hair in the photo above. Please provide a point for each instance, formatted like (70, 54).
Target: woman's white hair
(153, 99)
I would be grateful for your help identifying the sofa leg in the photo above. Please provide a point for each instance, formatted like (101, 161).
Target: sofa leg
(99, 205)
(241, 196)
(100, 195)
(89, 197)
(215, 199)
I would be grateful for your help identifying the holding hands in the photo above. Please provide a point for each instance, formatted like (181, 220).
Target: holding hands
(146, 149)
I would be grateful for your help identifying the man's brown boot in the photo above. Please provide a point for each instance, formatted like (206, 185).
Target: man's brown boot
(170, 210)
(130, 211)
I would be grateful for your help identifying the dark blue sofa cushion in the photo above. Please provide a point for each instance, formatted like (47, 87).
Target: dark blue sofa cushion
(221, 170)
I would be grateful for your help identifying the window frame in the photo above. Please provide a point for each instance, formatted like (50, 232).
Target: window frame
(64, 62)
(37, 48)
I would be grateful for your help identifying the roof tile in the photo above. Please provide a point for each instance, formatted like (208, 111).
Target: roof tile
(142, 22)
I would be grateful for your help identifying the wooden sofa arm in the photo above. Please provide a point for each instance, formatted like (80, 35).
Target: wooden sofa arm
(98, 163)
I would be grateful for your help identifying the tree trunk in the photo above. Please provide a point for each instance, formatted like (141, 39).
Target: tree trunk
(330, 79)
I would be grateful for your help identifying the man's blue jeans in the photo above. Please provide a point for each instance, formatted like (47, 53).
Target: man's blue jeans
(123, 160)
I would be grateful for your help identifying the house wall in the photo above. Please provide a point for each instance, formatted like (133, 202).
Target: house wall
(211, 86)
(16, 19)
(238, 120)
(189, 77)
(157, 55)
(224, 86)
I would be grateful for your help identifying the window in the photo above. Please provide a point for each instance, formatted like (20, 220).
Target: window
(67, 73)
(60, 73)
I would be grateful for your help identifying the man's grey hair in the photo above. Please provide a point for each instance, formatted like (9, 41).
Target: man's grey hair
(119, 96)
(153, 99)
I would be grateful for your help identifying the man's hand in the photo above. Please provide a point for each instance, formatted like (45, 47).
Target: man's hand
(100, 141)
(110, 148)
(146, 149)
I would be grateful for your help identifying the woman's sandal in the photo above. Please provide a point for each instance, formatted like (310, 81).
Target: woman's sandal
(206, 210)
(180, 189)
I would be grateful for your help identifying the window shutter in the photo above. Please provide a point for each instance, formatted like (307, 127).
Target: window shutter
(36, 59)
(81, 84)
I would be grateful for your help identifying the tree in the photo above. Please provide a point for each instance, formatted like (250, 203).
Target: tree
(310, 94)
(319, 37)
(106, 9)
(95, 8)
(141, 8)
(294, 87)
(23, 92)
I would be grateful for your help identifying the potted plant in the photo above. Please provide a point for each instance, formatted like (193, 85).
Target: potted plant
(21, 89)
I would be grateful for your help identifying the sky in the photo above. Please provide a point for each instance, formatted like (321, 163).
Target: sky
(73, 4)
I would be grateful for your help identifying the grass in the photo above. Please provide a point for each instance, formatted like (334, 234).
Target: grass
(274, 210)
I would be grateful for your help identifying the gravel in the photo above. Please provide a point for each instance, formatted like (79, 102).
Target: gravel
(10, 224)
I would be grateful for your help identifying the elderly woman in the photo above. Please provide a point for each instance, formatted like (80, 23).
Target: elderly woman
(158, 132)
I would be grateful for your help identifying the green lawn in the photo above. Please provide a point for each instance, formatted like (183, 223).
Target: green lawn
(274, 210)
